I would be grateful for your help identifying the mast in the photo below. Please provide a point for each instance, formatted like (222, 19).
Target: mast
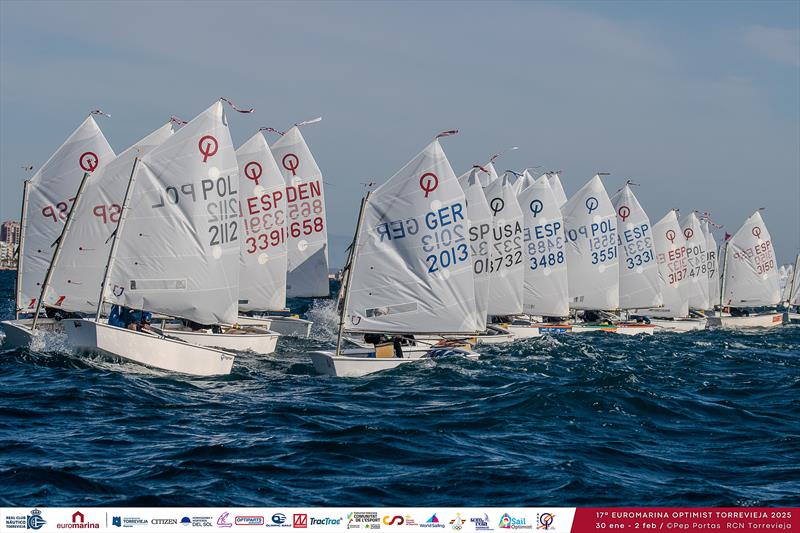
(349, 268)
(794, 281)
(23, 218)
(57, 252)
(112, 252)
(722, 276)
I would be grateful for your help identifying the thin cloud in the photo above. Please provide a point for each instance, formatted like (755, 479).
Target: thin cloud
(775, 44)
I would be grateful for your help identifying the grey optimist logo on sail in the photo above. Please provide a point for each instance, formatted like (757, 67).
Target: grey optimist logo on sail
(496, 205)
(591, 204)
(536, 207)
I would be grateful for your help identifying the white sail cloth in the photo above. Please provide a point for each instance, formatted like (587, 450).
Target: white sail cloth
(78, 277)
(306, 222)
(786, 290)
(50, 194)
(750, 267)
(480, 229)
(712, 268)
(670, 247)
(639, 278)
(558, 189)
(794, 286)
(697, 255)
(178, 251)
(507, 273)
(546, 279)
(590, 225)
(412, 267)
(263, 248)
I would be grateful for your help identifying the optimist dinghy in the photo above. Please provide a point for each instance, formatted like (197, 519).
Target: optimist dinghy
(175, 251)
(749, 278)
(46, 202)
(792, 293)
(410, 270)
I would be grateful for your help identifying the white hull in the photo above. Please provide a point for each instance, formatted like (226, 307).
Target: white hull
(254, 339)
(620, 329)
(680, 325)
(146, 348)
(524, 332)
(793, 318)
(284, 325)
(768, 320)
(19, 334)
(361, 362)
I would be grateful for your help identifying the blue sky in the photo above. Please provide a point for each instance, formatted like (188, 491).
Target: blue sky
(696, 101)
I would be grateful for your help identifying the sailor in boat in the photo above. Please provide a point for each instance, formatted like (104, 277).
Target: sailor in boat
(379, 340)
(126, 318)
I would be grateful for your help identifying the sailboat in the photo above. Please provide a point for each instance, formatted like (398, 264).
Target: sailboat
(639, 279)
(47, 201)
(712, 268)
(554, 178)
(749, 278)
(410, 271)
(306, 232)
(791, 295)
(545, 288)
(673, 268)
(175, 251)
(697, 259)
(506, 265)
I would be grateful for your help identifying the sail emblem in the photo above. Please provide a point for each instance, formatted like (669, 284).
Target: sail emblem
(756, 232)
(291, 162)
(428, 185)
(591, 204)
(209, 148)
(496, 205)
(624, 212)
(89, 161)
(688, 233)
(536, 207)
(671, 236)
(253, 170)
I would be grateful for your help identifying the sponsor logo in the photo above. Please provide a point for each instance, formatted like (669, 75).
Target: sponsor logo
(35, 520)
(365, 520)
(78, 522)
(164, 521)
(186, 521)
(202, 521)
(544, 521)
(433, 521)
(457, 523)
(222, 521)
(278, 520)
(325, 521)
(481, 524)
(249, 520)
(393, 520)
(128, 521)
(409, 521)
(509, 522)
(300, 520)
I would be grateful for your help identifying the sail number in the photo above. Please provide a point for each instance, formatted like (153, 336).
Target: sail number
(761, 252)
(264, 222)
(545, 245)
(675, 262)
(305, 209)
(58, 211)
(637, 245)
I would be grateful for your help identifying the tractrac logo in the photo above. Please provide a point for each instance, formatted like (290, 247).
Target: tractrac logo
(393, 520)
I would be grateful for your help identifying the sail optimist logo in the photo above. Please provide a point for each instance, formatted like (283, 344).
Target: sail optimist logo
(591, 204)
(291, 163)
(88, 161)
(428, 182)
(624, 212)
(253, 171)
(208, 146)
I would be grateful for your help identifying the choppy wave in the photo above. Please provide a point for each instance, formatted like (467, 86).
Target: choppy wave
(704, 418)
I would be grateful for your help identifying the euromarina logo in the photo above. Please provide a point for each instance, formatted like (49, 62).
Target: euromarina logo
(481, 524)
(433, 521)
(509, 522)
(78, 522)
(249, 520)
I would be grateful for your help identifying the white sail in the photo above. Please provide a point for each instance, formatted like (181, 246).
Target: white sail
(178, 250)
(50, 194)
(306, 222)
(590, 225)
(487, 174)
(263, 249)
(546, 289)
(558, 189)
(750, 267)
(794, 291)
(507, 264)
(639, 278)
(412, 267)
(480, 229)
(77, 278)
(673, 266)
(712, 266)
(786, 289)
(525, 181)
(697, 255)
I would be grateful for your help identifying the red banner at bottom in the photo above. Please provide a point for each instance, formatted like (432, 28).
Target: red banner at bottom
(686, 519)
